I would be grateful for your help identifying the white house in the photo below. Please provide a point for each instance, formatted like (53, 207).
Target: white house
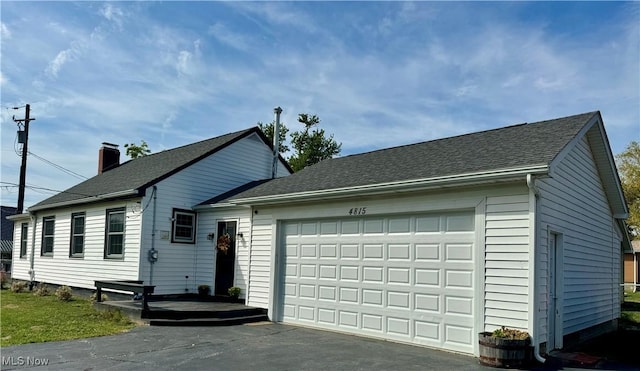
(434, 242)
(428, 244)
(103, 228)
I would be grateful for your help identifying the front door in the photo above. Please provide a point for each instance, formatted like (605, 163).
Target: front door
(225, 256)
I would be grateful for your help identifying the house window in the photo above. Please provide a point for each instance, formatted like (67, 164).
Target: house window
(114, 233)
(24, 238)
(184, 226)
(48, 228)
(76, 249)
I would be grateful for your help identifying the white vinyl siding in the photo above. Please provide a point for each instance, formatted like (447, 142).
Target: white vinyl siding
(176, 270)
(260, 260)
(62, 270)
(507, 262)
(574, 204)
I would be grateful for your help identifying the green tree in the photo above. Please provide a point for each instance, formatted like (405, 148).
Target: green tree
(268, 129)
(135, 151)
(629, 168)
(311, 145)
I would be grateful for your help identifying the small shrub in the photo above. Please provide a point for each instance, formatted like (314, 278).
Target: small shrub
(94, 297)
(204, 290)
(234, 292)
(18, 286)
(510, 333)
(63, 293)
(114, 315)
(4, 279)
(42, 290)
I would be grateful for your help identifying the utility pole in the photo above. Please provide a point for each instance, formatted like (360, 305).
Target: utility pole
(24, 139)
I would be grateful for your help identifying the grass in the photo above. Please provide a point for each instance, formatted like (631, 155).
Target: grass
(26, 318)
(630, 316)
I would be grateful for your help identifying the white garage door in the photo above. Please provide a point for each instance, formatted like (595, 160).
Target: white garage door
(406, 278)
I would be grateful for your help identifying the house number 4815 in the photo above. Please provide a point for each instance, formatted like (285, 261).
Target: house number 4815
(358, 211)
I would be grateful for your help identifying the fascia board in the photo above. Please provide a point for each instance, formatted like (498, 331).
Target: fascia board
(108, 196)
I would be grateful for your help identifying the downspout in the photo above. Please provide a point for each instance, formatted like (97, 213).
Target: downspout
(533, 253)
(276, 143)
(32, 272)
(153, 234)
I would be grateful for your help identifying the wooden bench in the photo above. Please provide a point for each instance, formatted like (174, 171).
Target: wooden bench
(131, 286)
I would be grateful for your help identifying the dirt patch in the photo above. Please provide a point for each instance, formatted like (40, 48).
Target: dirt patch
(11, 306)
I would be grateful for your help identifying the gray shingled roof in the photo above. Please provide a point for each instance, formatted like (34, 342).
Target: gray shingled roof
(140, 173)
(510, 147)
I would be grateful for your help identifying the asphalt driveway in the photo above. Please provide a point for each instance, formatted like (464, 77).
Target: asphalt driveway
(264, 346)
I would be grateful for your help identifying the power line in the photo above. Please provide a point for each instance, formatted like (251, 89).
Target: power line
(9, 184)
(59, 167)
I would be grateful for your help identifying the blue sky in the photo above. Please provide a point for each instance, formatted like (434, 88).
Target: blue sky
(378, 74)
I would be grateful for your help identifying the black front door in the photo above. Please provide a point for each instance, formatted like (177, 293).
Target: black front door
(225, 257)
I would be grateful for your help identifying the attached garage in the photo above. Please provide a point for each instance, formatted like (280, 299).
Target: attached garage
(435, 242)
(403, 277)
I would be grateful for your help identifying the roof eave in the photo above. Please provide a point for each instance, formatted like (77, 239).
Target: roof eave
(219, 205)
(18, 216)
(400, 186)
(104, 197)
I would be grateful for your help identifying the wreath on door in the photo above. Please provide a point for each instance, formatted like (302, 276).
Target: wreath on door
(224, 243)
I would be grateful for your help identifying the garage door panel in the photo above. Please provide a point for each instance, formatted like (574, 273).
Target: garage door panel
(349, 251)
(407, 278)
(458, 278)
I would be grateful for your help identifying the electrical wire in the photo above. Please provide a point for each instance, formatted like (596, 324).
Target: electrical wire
(79, 176)
(33, 187)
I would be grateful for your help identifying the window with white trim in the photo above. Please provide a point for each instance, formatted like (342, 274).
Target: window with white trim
(24, 238)
(76, 250)
(48, 229)
(183, 229)
(114, 234)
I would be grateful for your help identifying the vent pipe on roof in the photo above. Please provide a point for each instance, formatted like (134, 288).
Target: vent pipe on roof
(276, 142)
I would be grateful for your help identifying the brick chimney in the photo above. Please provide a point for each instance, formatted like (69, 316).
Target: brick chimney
(108, 157)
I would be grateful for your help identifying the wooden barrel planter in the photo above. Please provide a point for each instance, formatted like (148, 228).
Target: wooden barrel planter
(505, 353)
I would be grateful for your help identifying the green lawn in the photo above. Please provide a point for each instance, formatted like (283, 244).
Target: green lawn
(630, 317)
(26, 318)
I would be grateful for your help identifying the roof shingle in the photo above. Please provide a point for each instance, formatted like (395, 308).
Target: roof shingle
(142, 172)
(510, 147)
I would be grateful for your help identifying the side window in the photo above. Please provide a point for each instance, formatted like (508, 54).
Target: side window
(24, 238)
(76, 250)
(183, 229)
(48, 229)
(114, 234)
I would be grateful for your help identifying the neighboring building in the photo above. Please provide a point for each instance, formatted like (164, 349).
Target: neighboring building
(6, 239)
(429, 243)
(632, 267)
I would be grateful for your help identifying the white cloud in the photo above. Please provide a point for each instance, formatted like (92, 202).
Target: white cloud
(112, 14)
(58, 62)
(223, 34)
(184, 59)
(5, 33)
